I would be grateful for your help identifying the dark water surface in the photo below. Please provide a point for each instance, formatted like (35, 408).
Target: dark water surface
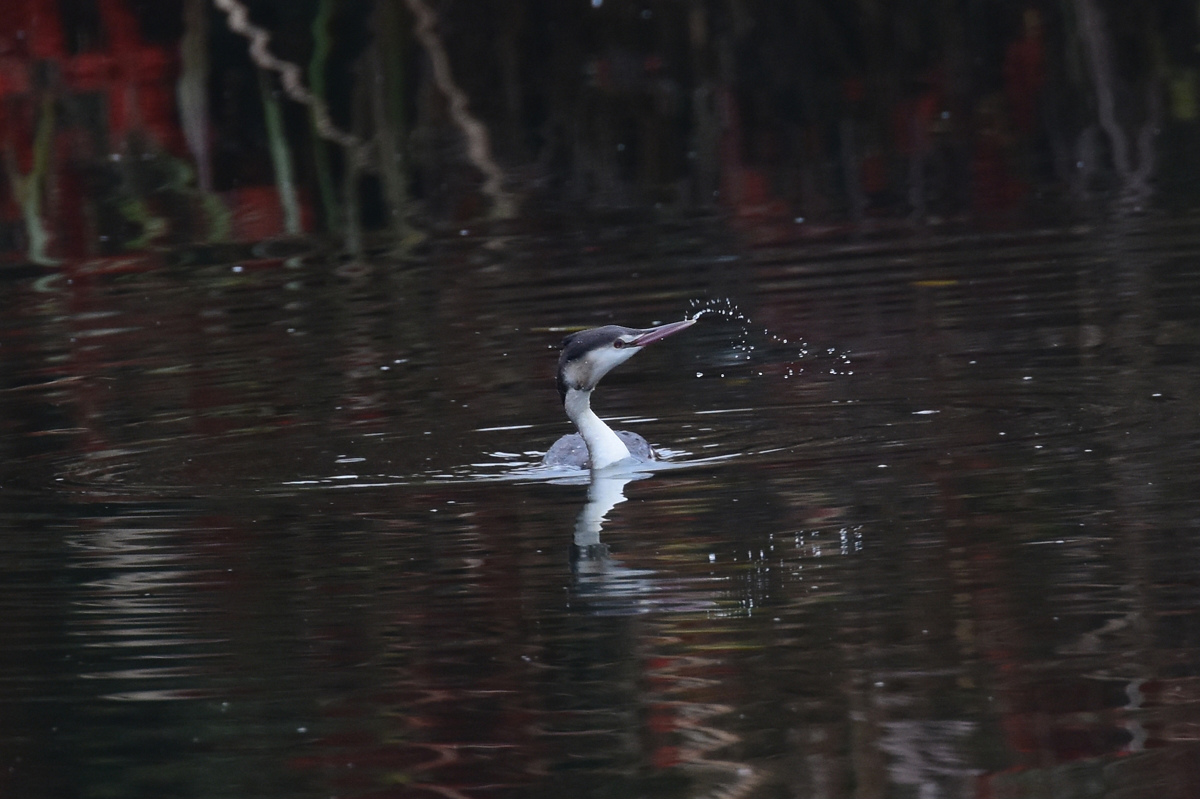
(269, 527)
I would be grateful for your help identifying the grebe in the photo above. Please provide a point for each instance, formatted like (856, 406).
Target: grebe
(586, 357)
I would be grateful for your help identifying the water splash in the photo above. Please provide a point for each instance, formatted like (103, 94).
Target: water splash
(726, 308)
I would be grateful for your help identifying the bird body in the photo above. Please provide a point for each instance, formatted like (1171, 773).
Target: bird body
(571, 450)
(586, 357)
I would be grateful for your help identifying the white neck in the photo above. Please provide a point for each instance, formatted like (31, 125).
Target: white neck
(604, 446)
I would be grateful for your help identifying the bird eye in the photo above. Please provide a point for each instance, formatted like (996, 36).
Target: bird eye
(619, 343)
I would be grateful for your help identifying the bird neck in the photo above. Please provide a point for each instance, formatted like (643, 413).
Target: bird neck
(604, 446)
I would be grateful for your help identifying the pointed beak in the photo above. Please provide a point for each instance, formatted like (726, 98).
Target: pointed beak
(653, 334)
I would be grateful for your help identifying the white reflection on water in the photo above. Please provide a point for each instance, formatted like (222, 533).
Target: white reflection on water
(134, 613)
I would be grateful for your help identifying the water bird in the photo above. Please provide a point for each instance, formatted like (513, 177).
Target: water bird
(586, 357)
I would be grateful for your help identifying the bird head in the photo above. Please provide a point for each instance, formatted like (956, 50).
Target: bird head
(589, 355)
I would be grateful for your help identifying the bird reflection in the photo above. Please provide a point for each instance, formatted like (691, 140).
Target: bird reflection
(605, 492)
(599, 582)
(602, 587)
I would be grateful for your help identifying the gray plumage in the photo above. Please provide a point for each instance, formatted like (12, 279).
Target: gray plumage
(571, 450)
